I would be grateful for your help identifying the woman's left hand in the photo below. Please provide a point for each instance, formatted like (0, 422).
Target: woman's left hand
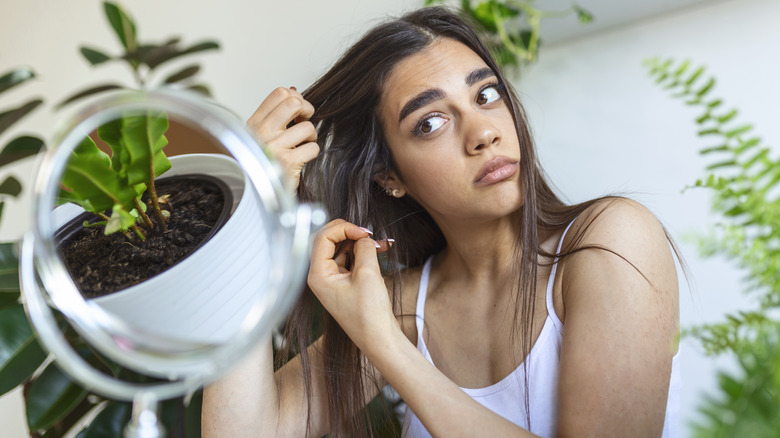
(345, 277)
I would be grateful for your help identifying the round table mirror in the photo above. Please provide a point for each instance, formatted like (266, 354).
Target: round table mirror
(164, 238)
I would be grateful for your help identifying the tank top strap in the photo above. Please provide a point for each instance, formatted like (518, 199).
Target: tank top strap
(421, 295)
(551, 281)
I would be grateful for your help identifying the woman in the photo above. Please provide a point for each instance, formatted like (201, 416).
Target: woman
(423, 141)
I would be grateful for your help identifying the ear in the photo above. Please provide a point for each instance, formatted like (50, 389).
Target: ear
(391, 182)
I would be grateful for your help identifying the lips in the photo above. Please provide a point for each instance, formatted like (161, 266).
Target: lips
(496, 170)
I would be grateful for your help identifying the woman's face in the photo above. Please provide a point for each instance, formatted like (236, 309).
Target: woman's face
(451, 133)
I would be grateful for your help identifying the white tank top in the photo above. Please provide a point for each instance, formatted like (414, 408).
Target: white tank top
(507, 397)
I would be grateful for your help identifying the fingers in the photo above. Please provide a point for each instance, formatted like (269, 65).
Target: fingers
(365, 257)
(329, 238)
(282, 106)
(292, 147)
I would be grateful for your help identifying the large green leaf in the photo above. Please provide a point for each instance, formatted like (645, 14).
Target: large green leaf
(15, 77)
(110, 422)
(146, 53)
(9, 267)
(11, 187)
(90, 178)
(182, 74)
(93, 56)
(10, 117)
(20, 353)
(145, 138)
(51, 396)
(19, 148)
(89, 92)
(154, 60)
(111, 133)
(123, 25)
(193, 415)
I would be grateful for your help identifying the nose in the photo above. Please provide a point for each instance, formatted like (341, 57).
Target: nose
(481, 133)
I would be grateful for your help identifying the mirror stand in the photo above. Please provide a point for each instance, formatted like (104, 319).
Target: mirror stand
(143, 423)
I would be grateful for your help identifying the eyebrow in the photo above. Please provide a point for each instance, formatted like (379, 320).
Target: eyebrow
(434, 94)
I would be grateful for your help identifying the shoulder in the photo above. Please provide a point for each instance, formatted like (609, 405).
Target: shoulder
(618, 240)
(618, 225)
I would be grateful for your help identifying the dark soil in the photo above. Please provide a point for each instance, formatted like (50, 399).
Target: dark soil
(102, 264)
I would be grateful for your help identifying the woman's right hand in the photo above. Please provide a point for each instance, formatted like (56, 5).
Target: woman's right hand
(346, 278)
(291, 146)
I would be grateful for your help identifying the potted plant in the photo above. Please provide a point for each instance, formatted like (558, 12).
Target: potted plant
(146, 248)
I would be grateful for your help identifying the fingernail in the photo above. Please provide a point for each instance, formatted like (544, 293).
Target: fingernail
(367, 230)
(390, 242)
(376, 244)
(293, 88)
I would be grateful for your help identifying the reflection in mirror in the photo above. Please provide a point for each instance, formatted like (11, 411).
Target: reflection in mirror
(171, 244)
(163, 247)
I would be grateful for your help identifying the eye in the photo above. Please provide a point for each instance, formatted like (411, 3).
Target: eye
(488, 94)
(428, 124)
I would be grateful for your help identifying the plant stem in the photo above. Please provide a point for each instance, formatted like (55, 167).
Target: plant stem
(143, 215)
(138, 232)
(155, 203)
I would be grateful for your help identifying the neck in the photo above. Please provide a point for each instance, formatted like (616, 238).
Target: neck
(482, 251)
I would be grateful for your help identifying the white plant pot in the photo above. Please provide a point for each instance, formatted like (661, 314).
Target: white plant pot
(205, 297)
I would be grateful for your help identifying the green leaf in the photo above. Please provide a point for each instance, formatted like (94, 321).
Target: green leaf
(726, 163)
(712, 131)
(11, 186)
(737, 131)
(694, 76)
(19, 148)
(10, 117)
(94, 57)
(51, 396)
(89, 92)
(91, 180)
(150, 53)
(682, 68)
(584, 16)
(120, 220)
(200, 89)
(193, 415)
(111, 133)
(110, 422)
(726, 117)
(20, 353)
(15, 77)
(123, 25)
(145, 138)
(182, 74)
(8, 298)
(154, 60)
(9, 267)
(706, 88)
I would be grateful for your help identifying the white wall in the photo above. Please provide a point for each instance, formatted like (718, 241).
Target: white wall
(602, 125)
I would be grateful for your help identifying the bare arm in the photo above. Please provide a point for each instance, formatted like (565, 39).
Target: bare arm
(253, 401)
(620, 327)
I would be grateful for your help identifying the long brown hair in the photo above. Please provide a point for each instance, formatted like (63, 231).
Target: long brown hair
(342, 177)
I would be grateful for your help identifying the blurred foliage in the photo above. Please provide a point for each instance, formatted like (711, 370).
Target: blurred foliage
(510, 28)
(144, 59)
(55, 404)
(744, 180)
